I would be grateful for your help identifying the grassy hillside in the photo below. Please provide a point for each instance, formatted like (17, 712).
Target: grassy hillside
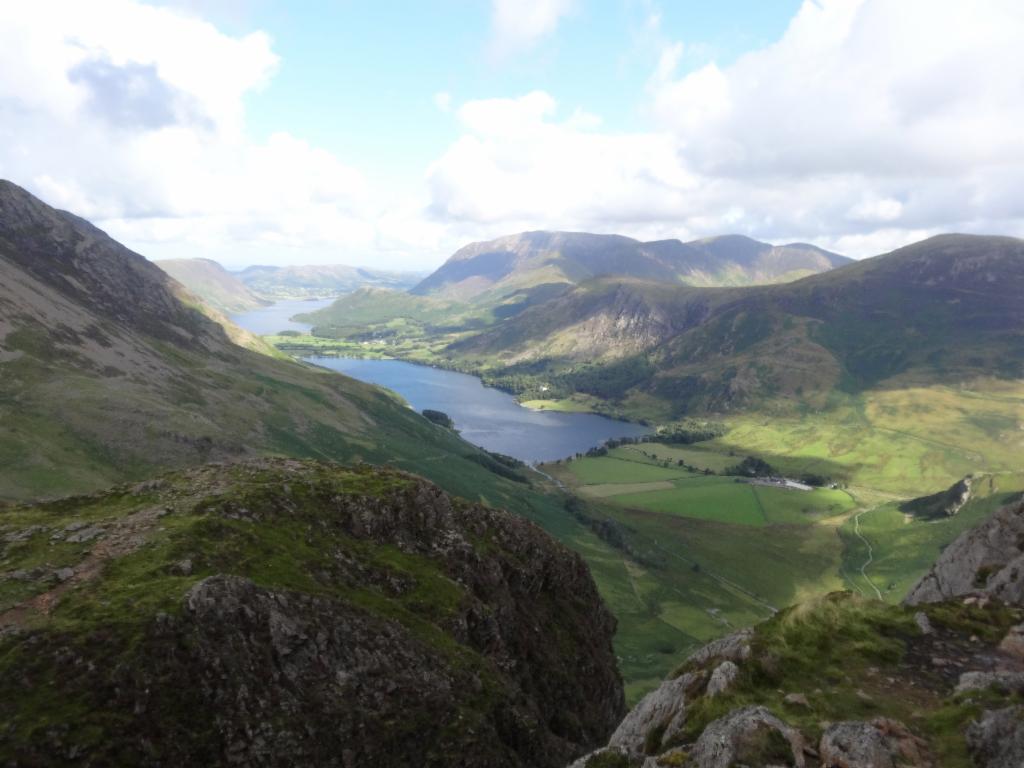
(215, 285)
(712, 553)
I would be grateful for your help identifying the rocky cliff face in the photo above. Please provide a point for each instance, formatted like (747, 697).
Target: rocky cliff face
(278, 612)
(988, 560)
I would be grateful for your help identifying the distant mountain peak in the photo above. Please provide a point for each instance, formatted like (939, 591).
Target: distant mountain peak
(522, 261)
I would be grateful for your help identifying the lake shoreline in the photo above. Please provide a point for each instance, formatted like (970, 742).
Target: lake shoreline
(485, 416)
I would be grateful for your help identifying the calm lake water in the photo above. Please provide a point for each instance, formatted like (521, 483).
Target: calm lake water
(487, 417)
(274, 318)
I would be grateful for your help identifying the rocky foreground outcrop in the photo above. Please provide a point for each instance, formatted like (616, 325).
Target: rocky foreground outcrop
(844, 682)
(986, 560)
(279, 612)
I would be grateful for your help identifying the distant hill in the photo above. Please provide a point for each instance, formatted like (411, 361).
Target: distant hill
(321, 281)
(942, 310)
(529, 262)
(369, 306)
(211, 282)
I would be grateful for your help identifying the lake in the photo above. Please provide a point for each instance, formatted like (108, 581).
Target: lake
(487, 417)
(275, 318)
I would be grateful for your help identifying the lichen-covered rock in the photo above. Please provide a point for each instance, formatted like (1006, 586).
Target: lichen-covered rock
(1013, 643)
(996, 740)
(657, 717)
(328, 617)
(722, 678)
(882, 743)
(733, 647)
(606, 756)
(987, 559)
(923, 623)
(1004, 680)
(749, 736)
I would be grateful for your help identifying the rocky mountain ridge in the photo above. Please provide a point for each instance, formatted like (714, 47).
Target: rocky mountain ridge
(277, 612)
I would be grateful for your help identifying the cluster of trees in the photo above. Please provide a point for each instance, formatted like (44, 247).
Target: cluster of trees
(499, 464)
(440, 418)
(537, 380)
(752, 466)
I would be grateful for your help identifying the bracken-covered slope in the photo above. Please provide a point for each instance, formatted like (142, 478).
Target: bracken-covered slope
(279, 612)
(109, 371)
(530, 262)
(942, 310)
(211, 282)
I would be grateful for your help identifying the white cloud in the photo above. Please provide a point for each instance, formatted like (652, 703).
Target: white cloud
(133, 116)
(519, 24)
(869, 123)
(516, 166)
(443, 101)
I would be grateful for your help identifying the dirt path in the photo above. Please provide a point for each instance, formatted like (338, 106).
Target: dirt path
(871, 551)
(121, 537)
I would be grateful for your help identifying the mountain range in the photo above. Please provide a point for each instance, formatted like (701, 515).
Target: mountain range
(259, 286)
(604, 316)
(532, 263)
(945, 309)
(320, 281)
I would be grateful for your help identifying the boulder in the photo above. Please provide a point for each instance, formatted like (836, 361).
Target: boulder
(734, 647)
(1013, 643)
(607, 753)
(882, 743)
(996, 740)
(923, 623)
(1002, 680)
(722, 678)
(663, 708)
(748, 736)
(796, 700)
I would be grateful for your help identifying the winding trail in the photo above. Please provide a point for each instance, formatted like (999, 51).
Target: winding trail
(871, 552)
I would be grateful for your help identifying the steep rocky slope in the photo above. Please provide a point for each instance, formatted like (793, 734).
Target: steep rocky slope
(844, 682)
(277, 612)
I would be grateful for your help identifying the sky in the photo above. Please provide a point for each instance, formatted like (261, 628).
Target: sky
(389, 133)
